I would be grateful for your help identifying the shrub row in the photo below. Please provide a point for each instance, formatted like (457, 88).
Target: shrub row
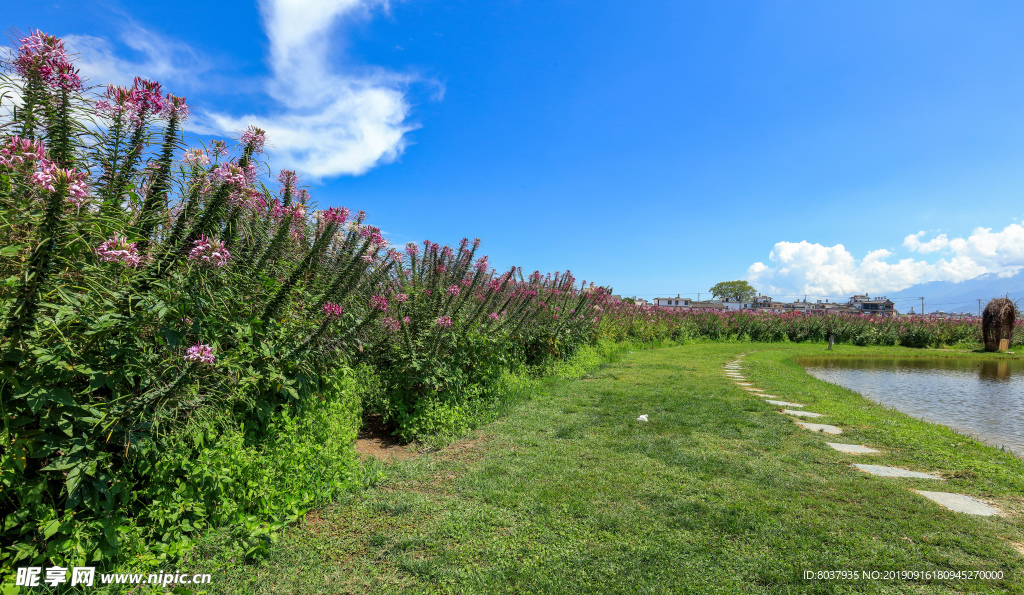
(187, 344)
(625, 320)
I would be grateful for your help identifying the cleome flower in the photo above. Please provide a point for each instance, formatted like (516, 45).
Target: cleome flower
(210, 251)
(332, 310)
(44, 58)
(202, 354)
(255, 138)
(196, 157)
(118, 249)
(444, 322)
(336, 215)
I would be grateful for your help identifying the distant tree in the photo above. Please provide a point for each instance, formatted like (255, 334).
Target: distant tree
(629, 300)
(741, 291)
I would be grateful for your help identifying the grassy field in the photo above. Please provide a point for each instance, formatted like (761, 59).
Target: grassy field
(718, 493)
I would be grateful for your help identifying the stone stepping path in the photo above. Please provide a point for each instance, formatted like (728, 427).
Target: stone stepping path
(825, 428)
(954, 502)
(854, 449)
(884, 471)
(801, 413)
(960, 503)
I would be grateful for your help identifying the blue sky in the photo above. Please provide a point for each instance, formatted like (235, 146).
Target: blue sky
(659, 147)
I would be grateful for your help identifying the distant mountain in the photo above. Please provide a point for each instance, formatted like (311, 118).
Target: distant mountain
(946, 296)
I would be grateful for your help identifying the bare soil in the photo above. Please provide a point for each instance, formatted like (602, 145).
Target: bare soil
(375, 440)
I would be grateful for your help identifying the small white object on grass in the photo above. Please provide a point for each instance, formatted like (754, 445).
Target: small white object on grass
(642, 417)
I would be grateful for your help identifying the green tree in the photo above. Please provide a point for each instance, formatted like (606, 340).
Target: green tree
(740, 291)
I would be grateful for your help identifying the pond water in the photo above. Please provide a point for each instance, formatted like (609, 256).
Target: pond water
(983, 398)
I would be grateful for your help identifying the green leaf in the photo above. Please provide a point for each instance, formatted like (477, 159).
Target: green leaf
(11, 250)
(73, 479)
(50, 528)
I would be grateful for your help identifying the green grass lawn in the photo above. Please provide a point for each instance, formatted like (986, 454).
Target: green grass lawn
(718, 493)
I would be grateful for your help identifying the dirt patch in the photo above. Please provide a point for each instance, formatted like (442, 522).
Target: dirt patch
(375, 440)
(463, 449)
(314, 523)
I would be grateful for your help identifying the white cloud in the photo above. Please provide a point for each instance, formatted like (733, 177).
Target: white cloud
(805, 268)
(913, 241)
(330, 119)
(170, 62)
(333, 121)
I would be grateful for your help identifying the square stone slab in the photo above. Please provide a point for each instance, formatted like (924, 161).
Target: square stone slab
(783, 403)
(960, 503)
(753, 390)
(884, 471)
(820, 428)
(801, 413)
(854, 449)
(745, 383)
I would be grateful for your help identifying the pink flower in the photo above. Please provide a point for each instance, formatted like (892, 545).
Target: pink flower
(412, 249)
(196, 157)
(43, 57)
(288, 179)
(390, 324)
(78, 186)
(367, 258)
(379, 302)
(482, 264)
(210, 251)
(444, 322)
(117, 249)
(220, 148)
(254, 138)
(247, 198)
(177, 107)
(401, 297)
(20, 151)
(336, 215)
(332, 310)
(200, 353)
(405, 320)
(229, 173)
(453, 290)
(493, 316)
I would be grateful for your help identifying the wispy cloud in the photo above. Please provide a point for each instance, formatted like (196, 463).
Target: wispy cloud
(326, 118)
(158, 58)
(333, 119)
(805, 268)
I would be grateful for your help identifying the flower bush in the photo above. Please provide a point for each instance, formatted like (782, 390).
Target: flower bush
(174, 332)
(622, 320)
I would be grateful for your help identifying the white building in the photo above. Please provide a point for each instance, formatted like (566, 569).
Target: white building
(676, 302)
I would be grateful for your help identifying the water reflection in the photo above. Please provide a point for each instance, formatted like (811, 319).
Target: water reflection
(984, 369)
(984, 398)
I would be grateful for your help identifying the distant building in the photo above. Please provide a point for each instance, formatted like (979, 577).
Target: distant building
(868, 305)
(676, 302)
